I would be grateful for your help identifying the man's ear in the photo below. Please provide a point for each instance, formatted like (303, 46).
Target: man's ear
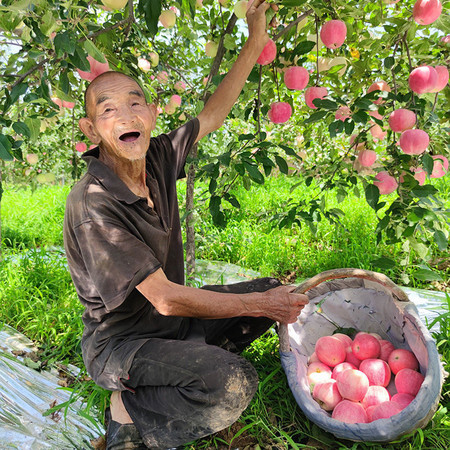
(88, 129)
(153, 110)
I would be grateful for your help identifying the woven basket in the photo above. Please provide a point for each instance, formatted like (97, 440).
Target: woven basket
(366, 301)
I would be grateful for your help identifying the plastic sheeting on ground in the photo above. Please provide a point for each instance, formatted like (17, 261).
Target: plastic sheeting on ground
(25, 394)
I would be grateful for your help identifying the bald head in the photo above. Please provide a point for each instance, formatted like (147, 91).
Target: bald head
(105, 77)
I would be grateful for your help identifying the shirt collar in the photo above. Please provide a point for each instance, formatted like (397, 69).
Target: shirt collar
(109, 180)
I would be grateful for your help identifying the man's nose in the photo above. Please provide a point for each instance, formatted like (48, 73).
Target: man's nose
(126, 114)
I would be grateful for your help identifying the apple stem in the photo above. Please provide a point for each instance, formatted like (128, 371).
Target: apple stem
(276, 80)
(258, 104)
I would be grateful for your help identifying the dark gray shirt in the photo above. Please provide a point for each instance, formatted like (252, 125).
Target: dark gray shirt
(113, 241)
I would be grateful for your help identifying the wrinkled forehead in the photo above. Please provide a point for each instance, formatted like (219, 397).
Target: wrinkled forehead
(109, 85)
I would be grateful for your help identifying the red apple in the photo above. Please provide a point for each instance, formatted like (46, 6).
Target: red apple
(349, 412)
(367, 157)
(377, 132)
(423, 79)
(426, 11)
(408, 381)
(342, 113)
(402, 119)
(366, 346)
(403, 400)
(314, 92)
(313, 358)
(377, 371)
(414, 142)
(442, 78)
(401, 358)
(385, 410)
(333, 33)
(327, 395)
(80, 147)
(440, 166)
(279, 112)
(340, 368)
(180, 86)
(386, 184)
(351, 358)
(386, 349)
(97, 68)
(330, 350)
(375, 395)
(352, 384)
(268, 54)
(379, 86)
(420, 175)
(344, 338)
(296, 78)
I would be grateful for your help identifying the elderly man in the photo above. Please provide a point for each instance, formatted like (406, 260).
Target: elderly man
(167, 351)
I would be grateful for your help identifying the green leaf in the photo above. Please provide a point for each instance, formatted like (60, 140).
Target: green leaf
(315, 117)
(64, 43)
(93, 51)
(349, 126)
(152, 11)
(389, 62)
(79, 59)
(325, 104)
(372, 196)
(428, 163)
(360, 117)
(5, 148)
(304, 47)
(22, 128)
(383, 263)
(34, 125)
(427, 275)
(282, 164)
(254, 173)
(441, 240)
(17, 91)
(424, 191)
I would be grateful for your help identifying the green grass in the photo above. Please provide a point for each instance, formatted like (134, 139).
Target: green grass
(38, 298)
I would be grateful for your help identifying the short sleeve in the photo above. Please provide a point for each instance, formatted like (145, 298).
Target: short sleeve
(115, 260)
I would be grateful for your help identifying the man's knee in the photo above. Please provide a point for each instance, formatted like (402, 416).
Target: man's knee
(238, 383)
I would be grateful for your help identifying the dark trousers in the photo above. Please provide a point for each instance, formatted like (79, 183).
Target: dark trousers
(182, 390)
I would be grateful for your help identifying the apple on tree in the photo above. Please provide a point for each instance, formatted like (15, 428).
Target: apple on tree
(440, 166)
(414, 142)
(314, 92)
(97, 68)
(115, 4)
(427, 11)
(279, 112)
(386, 184)
(333, 33)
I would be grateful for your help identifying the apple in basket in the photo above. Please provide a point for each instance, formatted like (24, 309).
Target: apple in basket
(363, 379)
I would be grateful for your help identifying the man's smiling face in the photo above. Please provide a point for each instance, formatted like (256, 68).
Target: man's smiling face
(119, 119)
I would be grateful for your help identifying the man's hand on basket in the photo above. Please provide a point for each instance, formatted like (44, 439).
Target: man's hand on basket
(283, 305)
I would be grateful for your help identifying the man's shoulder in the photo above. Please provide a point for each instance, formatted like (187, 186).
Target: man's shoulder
(87, 194)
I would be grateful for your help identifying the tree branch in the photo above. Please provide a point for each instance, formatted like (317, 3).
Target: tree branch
(292, 24)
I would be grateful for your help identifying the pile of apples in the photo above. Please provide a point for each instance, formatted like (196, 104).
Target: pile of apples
(363, 379)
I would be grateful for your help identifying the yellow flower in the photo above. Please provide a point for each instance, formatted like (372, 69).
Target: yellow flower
(354, 52)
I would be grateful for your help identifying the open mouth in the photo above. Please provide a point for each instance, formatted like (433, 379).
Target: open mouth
(129, 137)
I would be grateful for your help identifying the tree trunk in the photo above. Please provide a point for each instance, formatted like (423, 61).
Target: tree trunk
(190, 230)
(190, 182)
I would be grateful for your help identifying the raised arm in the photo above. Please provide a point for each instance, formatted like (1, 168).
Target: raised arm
(224, 97)
(171, 299)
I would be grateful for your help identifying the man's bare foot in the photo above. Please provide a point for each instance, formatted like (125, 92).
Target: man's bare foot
(118, 412)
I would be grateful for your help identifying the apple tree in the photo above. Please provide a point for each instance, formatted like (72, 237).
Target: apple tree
(350, 96)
